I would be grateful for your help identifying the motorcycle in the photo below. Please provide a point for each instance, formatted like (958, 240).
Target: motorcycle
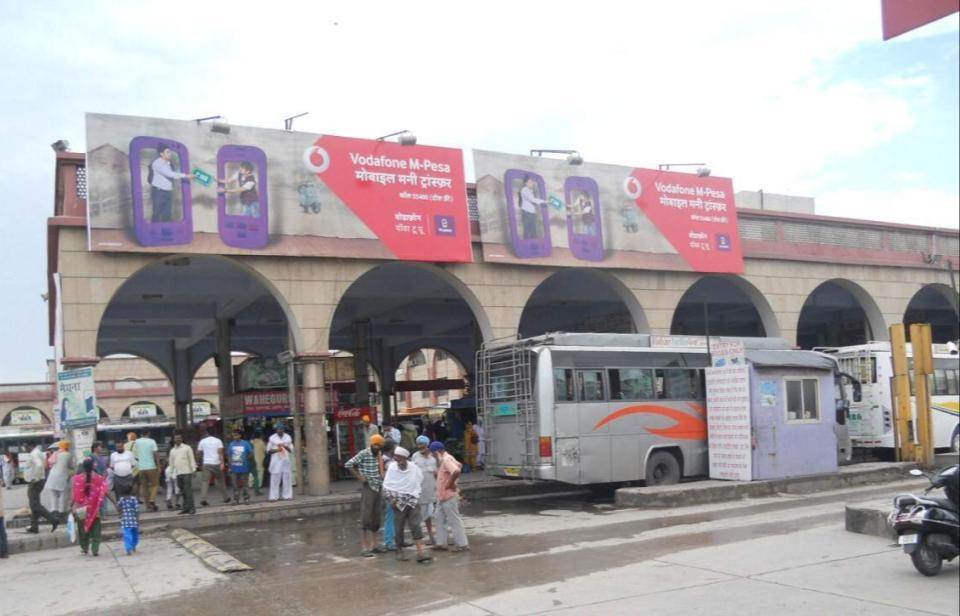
(928, 527)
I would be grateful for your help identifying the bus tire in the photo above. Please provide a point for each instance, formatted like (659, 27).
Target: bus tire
(663, 469)
(955, 441)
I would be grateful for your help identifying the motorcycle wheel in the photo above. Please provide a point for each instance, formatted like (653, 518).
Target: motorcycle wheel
(926, 559)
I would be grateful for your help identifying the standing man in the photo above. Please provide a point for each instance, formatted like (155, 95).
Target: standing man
(183, 465)
(401, 486)
(239, 454)
(281, 451)
(386, 459)
(369, 430)
(122, 463)
(394, 433)
(211, 459)
(427, 462)
(448, 500)
(58, 480)
(365, 466)
(145, 449)
(35, 476)
(259, 451)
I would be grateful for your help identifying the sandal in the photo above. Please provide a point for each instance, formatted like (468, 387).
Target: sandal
(367, 554)
(424, 558)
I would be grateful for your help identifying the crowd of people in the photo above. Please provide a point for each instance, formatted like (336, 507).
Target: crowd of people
(401, 492)
(131, 478)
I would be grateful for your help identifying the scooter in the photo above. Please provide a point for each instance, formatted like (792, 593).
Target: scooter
(928, 527)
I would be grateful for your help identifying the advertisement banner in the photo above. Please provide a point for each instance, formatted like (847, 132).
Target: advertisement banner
(542, 211)
(729, 441)
(201, 409)
(158, 185)
(76, 399)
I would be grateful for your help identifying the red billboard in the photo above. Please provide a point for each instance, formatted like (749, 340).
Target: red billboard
(901, 16)
(164, 186)
(541, 211)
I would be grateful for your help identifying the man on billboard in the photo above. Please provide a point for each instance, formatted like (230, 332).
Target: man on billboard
(160, 178)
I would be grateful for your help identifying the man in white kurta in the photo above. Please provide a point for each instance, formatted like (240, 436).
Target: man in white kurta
(280, 447)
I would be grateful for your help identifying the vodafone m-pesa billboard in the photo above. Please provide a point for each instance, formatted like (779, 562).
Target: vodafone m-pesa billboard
(178, 186)
(546, 212)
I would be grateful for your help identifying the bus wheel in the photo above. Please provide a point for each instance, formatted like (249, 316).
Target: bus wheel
(955, 441)
(662, 469)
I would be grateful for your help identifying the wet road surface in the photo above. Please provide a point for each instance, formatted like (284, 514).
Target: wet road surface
(523, 547)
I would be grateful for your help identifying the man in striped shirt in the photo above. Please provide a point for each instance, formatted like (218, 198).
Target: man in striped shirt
(365, 466)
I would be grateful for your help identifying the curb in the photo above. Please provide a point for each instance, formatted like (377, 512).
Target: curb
(716, 491)
(212, 556)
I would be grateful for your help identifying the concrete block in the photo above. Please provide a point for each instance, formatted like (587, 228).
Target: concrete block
(869, 518)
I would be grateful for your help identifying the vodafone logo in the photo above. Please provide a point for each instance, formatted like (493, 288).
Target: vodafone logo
(632, 187)
(316, 159)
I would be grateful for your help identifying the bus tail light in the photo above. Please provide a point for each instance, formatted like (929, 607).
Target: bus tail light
(546, 447)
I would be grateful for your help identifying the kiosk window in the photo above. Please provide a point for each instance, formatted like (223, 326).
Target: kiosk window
(563, 387)
(679, 385)
(591, 385)
(803, 401)
(630, 384)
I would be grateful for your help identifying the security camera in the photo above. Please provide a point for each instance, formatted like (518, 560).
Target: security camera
(703, 172)
(60, 145)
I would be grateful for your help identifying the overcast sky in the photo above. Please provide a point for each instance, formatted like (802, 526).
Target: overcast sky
(794, 97)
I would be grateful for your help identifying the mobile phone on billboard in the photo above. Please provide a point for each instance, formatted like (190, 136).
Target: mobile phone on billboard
(527, 214)
(162, 207)
(584, 222)
(242, 209)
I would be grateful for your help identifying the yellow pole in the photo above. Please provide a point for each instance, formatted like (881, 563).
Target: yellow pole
(920, 338)
(902, 412)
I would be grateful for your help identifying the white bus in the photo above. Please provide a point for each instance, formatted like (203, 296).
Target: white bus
(596, 408)
(871, 419)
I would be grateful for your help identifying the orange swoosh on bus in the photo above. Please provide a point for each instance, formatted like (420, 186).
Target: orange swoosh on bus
(687, 427)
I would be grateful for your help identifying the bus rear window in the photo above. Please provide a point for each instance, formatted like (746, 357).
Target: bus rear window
(631, 384)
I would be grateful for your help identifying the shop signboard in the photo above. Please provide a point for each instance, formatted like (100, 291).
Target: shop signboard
(157, 185)
(729, 439)
(26, 416)
(142, 410)
(76, 399)
(200, 409)
(542, 211)
(261, 403)
(350, 414)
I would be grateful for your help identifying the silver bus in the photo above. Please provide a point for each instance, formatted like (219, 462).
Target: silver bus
(596, 408)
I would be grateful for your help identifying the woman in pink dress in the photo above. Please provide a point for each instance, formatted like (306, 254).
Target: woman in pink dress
(89, 490)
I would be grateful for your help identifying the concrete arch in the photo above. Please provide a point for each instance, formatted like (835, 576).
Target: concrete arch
(634, 310)
(149, 359)
(766, 314)
(459, 287)
(944, 318)
(876, 327)
(294, 331)
(44, 416)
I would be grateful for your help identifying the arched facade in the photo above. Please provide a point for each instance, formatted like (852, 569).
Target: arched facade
(580, 299)
(840, 312)
(935, 304)
(730, 304)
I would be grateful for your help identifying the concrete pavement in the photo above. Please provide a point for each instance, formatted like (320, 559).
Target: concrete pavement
(562, 553)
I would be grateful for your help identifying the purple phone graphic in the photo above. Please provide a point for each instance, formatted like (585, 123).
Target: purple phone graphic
(165, 225)
(584, 227)
(529, 231)
(242, 216)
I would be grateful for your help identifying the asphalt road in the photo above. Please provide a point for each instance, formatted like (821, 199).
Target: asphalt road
(567, 554)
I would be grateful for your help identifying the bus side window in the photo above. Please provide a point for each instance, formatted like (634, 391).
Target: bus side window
(679, 384)
(591, 385)
(563, 387)
(630, 384)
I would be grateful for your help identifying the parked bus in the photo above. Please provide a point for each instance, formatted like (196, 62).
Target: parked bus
(597, 408)
(871, 419)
